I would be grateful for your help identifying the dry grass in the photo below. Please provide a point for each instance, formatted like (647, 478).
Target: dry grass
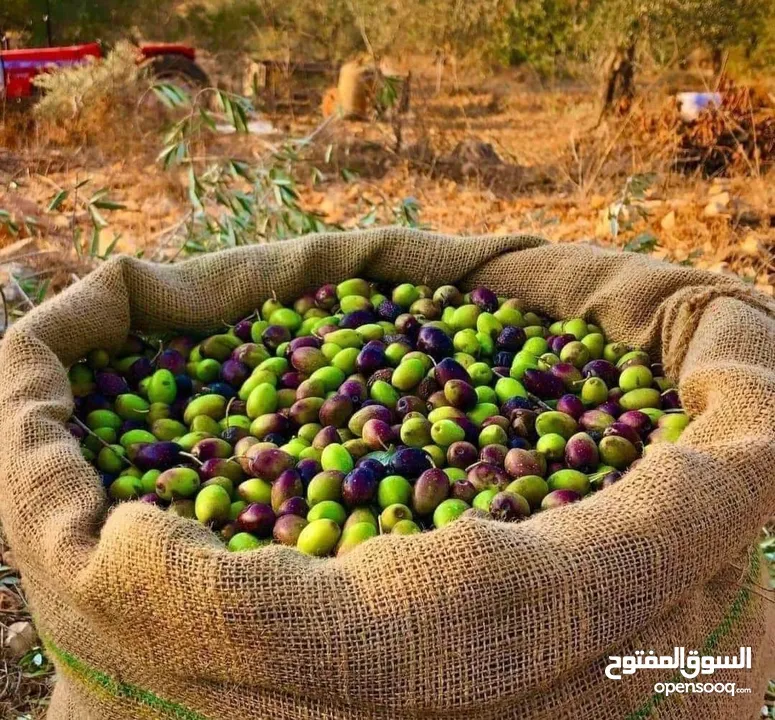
(25, 686)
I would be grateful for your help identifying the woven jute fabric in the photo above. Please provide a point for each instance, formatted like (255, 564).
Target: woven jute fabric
(146, 615)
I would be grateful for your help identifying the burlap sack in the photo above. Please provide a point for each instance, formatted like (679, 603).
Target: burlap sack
(147, 616)
(356, 88)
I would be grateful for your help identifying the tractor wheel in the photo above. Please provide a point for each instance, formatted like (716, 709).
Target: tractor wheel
(177, 69)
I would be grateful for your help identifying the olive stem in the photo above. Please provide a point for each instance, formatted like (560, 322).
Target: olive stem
(538, 401)
(85, 427)
(193, 457)
(228, 407)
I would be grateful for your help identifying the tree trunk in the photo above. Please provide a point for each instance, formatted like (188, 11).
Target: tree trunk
(619, 88)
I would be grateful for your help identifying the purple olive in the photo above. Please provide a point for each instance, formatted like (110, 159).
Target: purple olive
(461, 454)
(460, 394)
(268, 464)
(370, 358)
(623, 430)
(76, 430)
(518, 443)
(173, 361)
(275, 335)
(671, 400)
(354, 388)
(325, 436)
(559, 342)
(610, 478)
(567, 374)
(150, 498)
(111, 384)
(484, 475)
(221, 467)
(509, 507)
(581, 453)
(498, 420)
(407, 324)
(430, 490)
(485, 299)
(637, 420)
(287, 529)
(211, 448)
(288, 485)
(558, 498)
(291, 379)
(128, 425)
(571, 405)
(388, 310)
(325, 297)
(234, 372)
(502, 360)
(515, 403)
(258, 519)
(553, 467)
(185, 387)
(410, 403)
(511, 338)
(374, 465)
(409, 462)
(182, 344)
(463, 490)
(494, 454)
(611, 407)
(304, 341)
(307, 469)
(602, 369)
(296, 505)
(544, 384)
(359, 487)
(242, 329)
(353, 320)
(238, 407)
(139, 370)
(234, 434)
(336, 411)
(434, 342)
(158, 456)
(377, 434)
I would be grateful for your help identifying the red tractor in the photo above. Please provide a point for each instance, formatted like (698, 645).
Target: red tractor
(175, 63)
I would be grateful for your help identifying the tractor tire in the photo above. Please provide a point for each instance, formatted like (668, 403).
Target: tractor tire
(177, 68)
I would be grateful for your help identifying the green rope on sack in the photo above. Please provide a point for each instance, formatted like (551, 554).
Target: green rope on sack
(110, 686)
(730, 619)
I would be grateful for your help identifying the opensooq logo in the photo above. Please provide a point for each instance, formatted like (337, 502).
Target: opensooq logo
(690, 664)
